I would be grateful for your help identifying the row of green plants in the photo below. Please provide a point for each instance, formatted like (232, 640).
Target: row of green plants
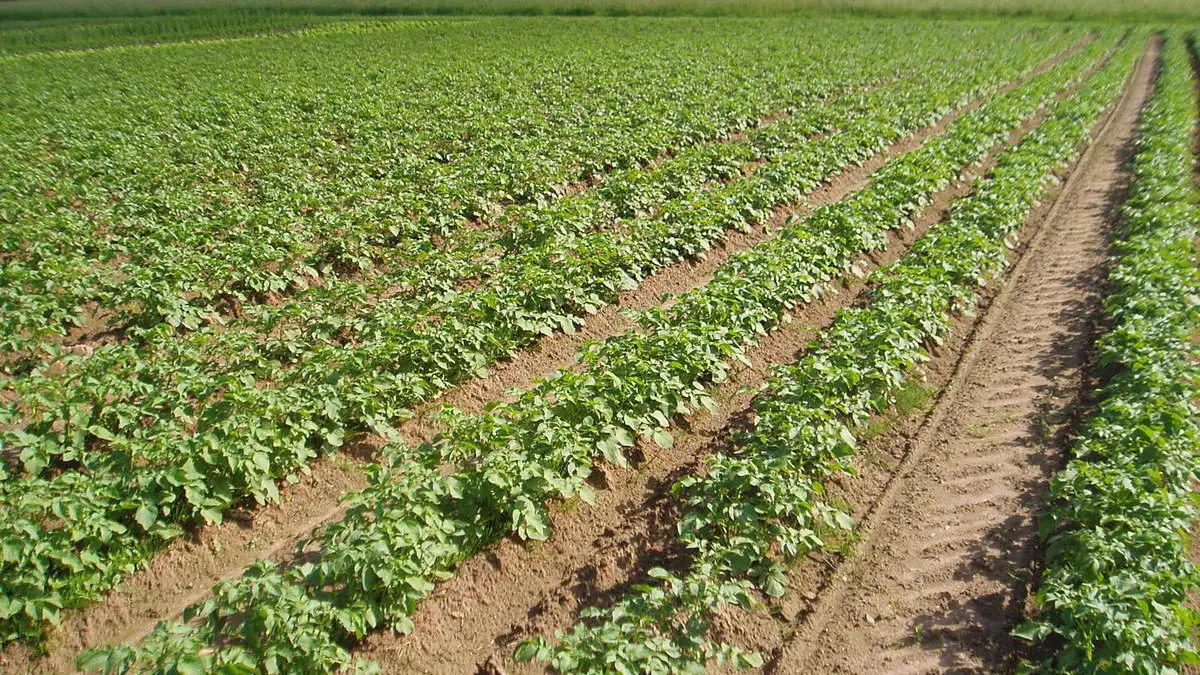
(1114, 596)
(339, 307)
(147, 208)
(54, 39)
(340, 327)
(423, 274)
(762, 505)
(493, 474)
(103, 483)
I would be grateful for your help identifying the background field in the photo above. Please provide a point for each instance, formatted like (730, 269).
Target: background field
(39, 25)
(1123, 10)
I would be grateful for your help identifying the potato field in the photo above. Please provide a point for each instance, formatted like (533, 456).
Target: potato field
(786, 343)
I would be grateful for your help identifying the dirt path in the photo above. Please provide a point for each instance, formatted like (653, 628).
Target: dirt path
(947, 553)
(518, 590)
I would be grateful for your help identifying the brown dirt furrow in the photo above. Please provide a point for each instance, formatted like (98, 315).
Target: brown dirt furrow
(518, 589)
(183, 573)
(949, 549)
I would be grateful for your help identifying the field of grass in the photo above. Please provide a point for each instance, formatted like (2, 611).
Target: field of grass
(405, 293)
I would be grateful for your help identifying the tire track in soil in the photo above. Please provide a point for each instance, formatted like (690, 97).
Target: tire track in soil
(472, 622)
(184, 572)
(951, 549)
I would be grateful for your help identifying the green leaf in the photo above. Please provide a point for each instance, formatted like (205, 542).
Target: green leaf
(774, 585)
(10, 549)
(611, 451)
(92, 659)
(336, 437)
(622, 436)
(843, 520)
(1034, 631)
(102, 433)
(146, 516)
(528, 651)
(190, 665)
(663, 438)
(745, 659)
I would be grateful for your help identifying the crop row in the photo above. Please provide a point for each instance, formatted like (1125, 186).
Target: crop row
(1114, 593)
(149, 208)
(492, 474)
(534, 292)
(339, 309)
(106, 484)
(65, 40)
(762, 505)
(424, 276)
